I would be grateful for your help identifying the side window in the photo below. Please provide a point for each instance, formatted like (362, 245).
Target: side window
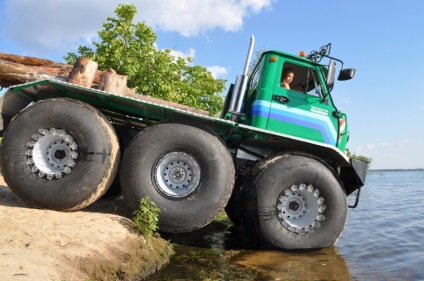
(301, 79)
(255, 76)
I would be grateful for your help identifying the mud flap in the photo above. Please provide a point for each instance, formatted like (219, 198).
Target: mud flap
(353, 177)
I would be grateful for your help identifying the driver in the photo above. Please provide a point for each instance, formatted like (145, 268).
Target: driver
(288, 76)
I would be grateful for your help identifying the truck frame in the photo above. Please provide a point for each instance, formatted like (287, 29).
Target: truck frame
(274, 159)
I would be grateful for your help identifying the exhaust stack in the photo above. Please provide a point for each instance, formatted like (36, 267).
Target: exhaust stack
(241, 84)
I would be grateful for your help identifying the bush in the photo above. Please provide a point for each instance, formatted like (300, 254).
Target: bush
(146, 218)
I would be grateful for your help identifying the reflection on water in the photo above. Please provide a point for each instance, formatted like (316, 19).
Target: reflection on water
(326, 264)
(382, 241)
(207, 254)
(221, 252)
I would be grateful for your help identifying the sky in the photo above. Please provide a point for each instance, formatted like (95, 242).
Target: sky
(382, 40)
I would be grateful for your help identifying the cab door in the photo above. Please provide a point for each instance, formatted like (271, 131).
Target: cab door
(302, 110)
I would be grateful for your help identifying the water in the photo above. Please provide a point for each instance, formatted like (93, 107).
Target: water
(383, 240)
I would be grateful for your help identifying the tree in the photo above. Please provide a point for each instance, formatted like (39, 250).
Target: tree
(360, 157)
(256, 59)
(130, 50)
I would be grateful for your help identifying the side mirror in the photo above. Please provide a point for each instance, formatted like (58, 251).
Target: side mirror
(346, 74)
(330, 74)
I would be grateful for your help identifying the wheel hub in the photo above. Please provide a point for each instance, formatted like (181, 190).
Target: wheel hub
(59, 154)
(300, 208)
(51, 153)
(294, 206)
(177, 174)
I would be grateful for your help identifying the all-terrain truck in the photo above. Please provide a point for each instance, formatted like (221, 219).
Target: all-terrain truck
(274, 159)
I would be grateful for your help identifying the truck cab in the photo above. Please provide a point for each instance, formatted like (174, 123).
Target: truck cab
(306, 110)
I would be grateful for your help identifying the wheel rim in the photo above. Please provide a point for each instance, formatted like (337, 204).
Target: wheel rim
(52, 153)
(300, 208)
(177, 174)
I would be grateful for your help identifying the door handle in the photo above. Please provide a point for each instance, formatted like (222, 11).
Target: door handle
(280, 99)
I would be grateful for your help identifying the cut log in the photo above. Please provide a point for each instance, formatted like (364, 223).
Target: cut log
(83, 72)
(12, 73)
(31, 61)
(112, 82)
(16, 69)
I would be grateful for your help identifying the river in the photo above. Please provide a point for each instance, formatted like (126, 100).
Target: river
(382, 240)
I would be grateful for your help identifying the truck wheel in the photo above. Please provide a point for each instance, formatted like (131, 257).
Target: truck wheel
(114, 191)
(59, 154)
(186, 171)
(233, 208)
(124, 138)
(294, 202)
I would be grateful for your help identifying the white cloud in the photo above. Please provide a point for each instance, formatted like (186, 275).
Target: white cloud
(217, 71)
(384, 145)
(65, 24)
(191, 53)
(391, 155)
(372, 146)
(193, 17)
(53, 24)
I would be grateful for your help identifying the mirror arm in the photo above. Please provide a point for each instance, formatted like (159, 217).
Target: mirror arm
(330, 57)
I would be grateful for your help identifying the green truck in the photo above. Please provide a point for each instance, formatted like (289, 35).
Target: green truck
(274, 159)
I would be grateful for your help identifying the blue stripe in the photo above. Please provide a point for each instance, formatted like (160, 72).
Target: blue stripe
(298, 117)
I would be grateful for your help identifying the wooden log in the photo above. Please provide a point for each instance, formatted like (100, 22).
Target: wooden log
(32, 61)
(12, 73)
(15, 69)
(111, 82)
(121, 85)
(83, 72)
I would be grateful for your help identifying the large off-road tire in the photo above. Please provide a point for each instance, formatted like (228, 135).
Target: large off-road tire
(60, 154)
(124, 136)
(234, 206)
(294, 202)
(185, 170)
(114, 191)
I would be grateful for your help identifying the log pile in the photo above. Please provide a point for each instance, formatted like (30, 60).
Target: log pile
(16, 69)
(21, 69)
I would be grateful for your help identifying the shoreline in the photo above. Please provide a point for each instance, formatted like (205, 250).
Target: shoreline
(95, 243)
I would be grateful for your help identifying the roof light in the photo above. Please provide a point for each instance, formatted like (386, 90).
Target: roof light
(302, 54)
(273, 59)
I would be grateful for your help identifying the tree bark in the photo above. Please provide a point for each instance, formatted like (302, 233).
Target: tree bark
(13, 72)
(83, 73)
(30, 61)
(112, 82)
